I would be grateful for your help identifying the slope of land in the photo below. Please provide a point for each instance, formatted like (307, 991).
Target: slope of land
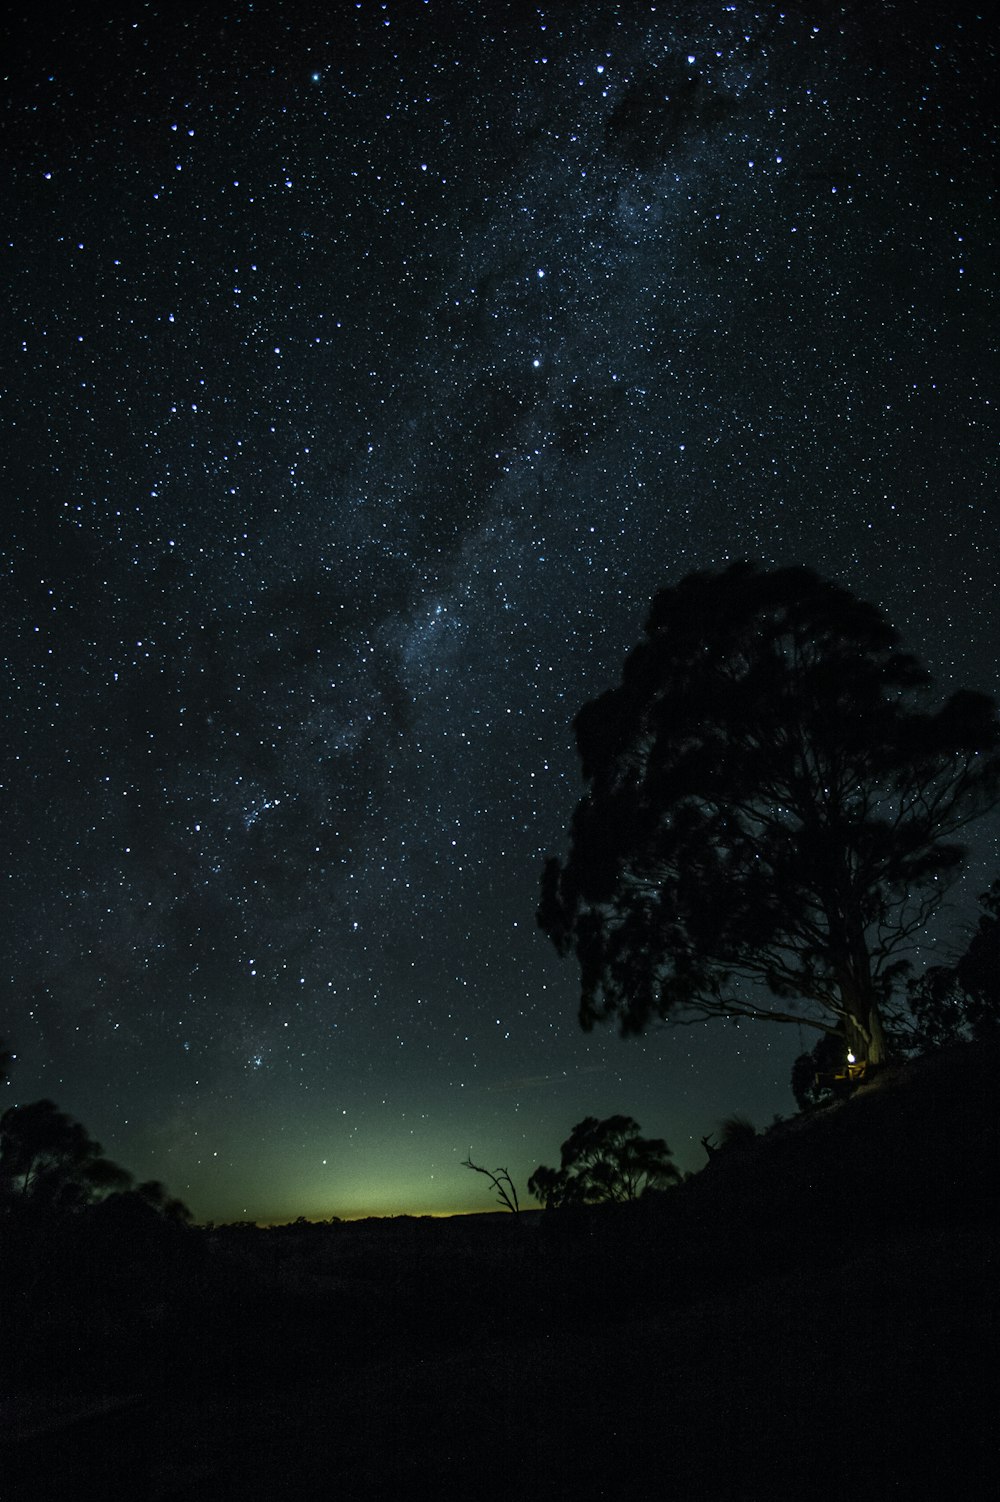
(815, 1312)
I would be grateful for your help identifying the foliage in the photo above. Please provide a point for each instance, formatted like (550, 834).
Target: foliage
(49, 1159)
(812, 1072)
(771, 813)
(602, 1161)
(736, 1131)
(550, 1186)
(963, 999)
(158, 1197)
(501, 1181)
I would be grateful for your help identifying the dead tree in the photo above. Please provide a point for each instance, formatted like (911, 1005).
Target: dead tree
(501, 1181)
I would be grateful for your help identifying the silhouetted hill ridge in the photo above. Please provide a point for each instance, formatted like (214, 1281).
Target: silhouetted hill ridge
(913, 1149)
(815, 1304)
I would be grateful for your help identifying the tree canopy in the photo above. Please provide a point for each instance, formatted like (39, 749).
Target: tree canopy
(48, 1158)
(604, 1161)
(963, 999)
(771, 813)
(155, 1194)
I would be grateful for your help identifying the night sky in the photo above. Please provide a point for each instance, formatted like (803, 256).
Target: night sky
(365, 370)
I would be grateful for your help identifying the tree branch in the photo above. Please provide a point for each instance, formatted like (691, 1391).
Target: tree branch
(501, 1181)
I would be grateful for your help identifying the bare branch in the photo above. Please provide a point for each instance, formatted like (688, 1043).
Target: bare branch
(501, 1181)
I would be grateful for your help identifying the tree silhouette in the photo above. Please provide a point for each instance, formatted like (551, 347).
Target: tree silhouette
(47, 1158)
(770, 814)
(954, 1001)
(736, 1131)
(602, 1161)
(550, 1186)
(157, 1196)
(813, 1072)
(501, 1181)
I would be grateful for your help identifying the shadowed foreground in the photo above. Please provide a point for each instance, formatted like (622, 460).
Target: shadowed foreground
(816, 1312)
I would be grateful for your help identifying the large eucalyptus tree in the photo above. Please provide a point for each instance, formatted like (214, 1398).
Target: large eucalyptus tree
(772, 811)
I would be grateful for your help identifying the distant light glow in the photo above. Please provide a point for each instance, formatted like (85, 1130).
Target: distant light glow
(306, 576)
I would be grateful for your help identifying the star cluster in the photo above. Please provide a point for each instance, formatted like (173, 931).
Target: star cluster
(366, 369)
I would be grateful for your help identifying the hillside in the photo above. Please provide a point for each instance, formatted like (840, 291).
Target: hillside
(814, 1312)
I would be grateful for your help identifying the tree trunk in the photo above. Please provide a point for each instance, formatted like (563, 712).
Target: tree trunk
(877, 1048)
(865, 1033)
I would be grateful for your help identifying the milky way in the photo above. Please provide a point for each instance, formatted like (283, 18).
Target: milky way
(366, 369)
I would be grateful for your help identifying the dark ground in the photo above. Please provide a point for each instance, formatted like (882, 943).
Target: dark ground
(814, 1315)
